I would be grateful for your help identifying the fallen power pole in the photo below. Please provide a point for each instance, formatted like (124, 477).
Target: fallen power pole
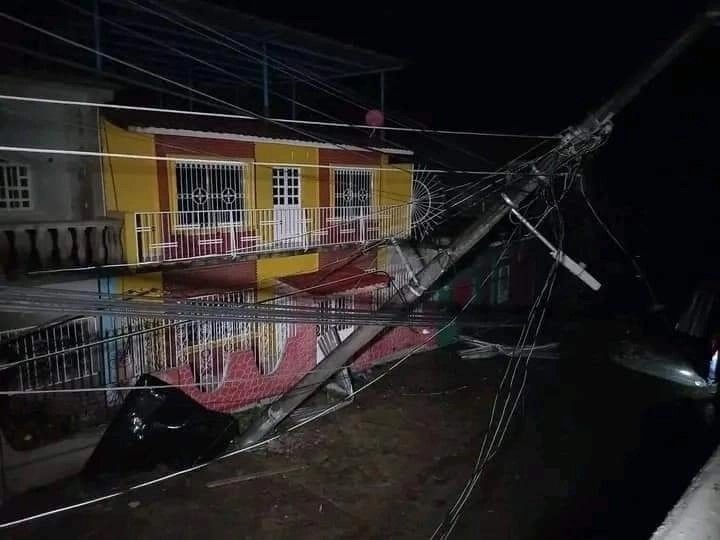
(575, 142)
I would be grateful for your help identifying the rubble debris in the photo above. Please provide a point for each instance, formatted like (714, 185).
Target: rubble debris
(485, 349)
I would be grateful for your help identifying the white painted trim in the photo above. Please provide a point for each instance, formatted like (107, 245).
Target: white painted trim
(268, 140)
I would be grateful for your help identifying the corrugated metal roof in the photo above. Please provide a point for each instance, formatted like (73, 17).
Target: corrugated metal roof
(252, 130)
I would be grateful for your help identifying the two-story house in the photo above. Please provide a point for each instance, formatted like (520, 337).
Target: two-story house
(257, 215)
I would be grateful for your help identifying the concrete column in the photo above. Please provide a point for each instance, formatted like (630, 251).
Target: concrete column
(112, 244)
(44, 245)
(80, 244)
(5, 252)
(65, 246)
(95, 243)
(23, 249)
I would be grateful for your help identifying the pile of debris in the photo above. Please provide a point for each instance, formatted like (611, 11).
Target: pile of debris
(485, 349)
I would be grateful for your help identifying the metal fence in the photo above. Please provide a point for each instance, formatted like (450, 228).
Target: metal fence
(105, 354)
(115, 351)
(50, 356)
(173, 236)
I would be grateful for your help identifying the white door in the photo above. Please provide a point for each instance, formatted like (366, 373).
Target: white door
(288, 217)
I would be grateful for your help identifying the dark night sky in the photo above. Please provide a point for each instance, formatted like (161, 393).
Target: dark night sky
(540, 67)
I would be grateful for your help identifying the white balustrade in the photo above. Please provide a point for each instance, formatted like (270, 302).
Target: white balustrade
(174, 236)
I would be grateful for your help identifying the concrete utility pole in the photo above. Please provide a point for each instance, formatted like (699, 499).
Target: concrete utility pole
(363, 335)
(575, 141)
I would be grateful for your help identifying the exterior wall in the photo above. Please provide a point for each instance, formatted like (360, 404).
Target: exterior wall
(342, 157)
(296, 155)
(131, 185)
(397, 340)
(395, 186)
(137, 185)
(194, 147)
(223, 277)
(244, 385)
(141, 283)
(268, 269)
(64, 188)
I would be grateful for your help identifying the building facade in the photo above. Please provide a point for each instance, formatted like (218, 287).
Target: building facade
(219, 217)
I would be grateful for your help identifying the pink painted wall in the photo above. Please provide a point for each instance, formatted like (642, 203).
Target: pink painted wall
(396, 340)
(244, 385)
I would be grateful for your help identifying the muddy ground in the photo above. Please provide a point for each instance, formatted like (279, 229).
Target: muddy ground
(599, 453)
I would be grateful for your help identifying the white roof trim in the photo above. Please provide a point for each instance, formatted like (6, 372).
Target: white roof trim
(269, 140)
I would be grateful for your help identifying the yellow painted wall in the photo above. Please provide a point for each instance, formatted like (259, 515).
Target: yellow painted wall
(396, 190)
(396, 184)
(383, 258)
(131, 185)
(141, 282)
(277, 267)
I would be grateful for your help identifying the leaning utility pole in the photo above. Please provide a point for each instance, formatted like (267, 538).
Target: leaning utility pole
(575, 143)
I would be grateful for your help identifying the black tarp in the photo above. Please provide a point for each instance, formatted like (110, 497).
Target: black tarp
(159, 426)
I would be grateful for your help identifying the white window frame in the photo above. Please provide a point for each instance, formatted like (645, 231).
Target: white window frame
(5, 187)
(286, 175)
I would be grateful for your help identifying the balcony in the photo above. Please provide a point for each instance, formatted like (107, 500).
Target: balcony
(178, 236)
(62, 244)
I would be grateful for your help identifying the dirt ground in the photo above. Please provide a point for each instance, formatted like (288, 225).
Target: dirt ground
(599, 453)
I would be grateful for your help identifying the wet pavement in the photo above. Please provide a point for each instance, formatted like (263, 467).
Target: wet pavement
(599, 452)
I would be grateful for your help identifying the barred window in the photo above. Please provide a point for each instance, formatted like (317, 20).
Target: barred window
(353, 189)
(15, 188)
(209, 193)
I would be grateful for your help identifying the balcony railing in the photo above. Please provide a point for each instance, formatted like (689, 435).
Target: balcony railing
(61, 244)
(176, 236)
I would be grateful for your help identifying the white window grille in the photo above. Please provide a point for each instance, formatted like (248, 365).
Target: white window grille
(209, 193)
(15, 187)
(330, 304)
(43, 362)
(206, 345)
(353, 190)
(271, 339)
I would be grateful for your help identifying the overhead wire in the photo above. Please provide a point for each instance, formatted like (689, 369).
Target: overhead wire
(88, 153)
(143, 70)
(206, 114)
(315, 82)
(312, 418)
(217, 101)
(260, 56)
(145, 36)
(497, 429)
(632, 260)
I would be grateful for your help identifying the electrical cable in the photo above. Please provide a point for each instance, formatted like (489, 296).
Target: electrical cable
(87, 153)
(632, 260)
(259, 444)
(491, 442)
(296, 73)
(114, 106)
(153, 74)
